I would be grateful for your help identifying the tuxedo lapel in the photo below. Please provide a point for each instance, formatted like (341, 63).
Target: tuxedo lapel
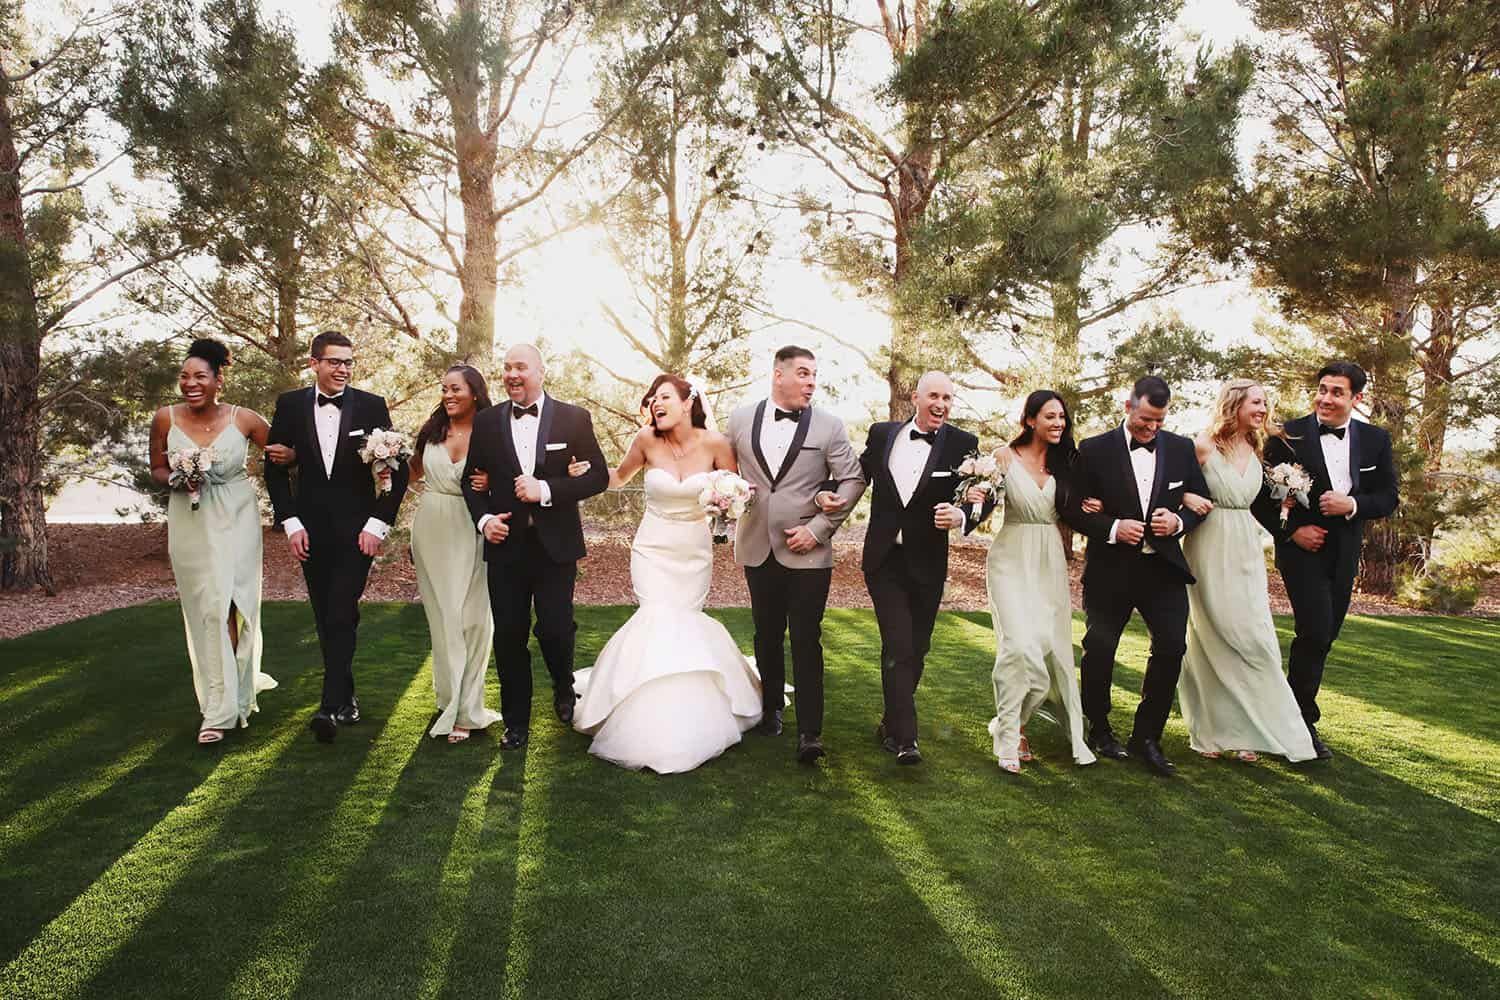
(1312, 455)
(508, 437)
(760, 456)
(804, 421)
(1354, 456)
(309, 408)
(1159, 478)
(346, 424)
(892, 434)
(543, 434)
(1121, 445)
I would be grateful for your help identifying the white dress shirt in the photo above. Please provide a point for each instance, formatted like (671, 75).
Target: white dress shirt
(908, 459)
(523, 432)
(1143, 463)
(1336, 457)
(775, 437)
(326, 422)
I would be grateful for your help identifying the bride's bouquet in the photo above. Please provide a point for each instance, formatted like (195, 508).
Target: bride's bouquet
(384, 451)
(1289, 480)
(725, 498)
(190, 471)
(980, 472)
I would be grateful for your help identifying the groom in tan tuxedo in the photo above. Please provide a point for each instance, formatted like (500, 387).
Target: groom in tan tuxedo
(788, 450)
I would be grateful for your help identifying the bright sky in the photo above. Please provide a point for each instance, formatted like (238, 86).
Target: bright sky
(567, 281)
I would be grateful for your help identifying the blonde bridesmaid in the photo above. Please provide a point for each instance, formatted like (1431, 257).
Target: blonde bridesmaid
(449, 555)
(1235, 699)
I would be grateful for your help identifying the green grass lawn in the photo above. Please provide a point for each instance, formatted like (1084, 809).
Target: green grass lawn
(134, 863)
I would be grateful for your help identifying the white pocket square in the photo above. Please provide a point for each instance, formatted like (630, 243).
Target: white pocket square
(935, 475)
(557, 445)
(1173, 486)
(355, 434)
(1367, 468)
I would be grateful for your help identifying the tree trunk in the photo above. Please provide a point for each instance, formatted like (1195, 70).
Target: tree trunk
(913, 191)
(23, 512)
(679, 342)
(477, 155)
(1389, 544)
(290, 351)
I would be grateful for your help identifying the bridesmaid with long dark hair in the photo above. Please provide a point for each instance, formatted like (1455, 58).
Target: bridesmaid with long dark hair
(449, 555)
(1026, 575)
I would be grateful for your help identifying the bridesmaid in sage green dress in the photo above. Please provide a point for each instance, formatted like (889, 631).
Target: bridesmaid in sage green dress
(449, 555)
(1026, 575)
(216, 549)
(1234, 696)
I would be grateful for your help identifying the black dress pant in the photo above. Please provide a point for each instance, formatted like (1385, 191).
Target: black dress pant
(905, 611)
(335, 571)
(1318, 585)
(783, 600)
(516, 585)
(1133, 582)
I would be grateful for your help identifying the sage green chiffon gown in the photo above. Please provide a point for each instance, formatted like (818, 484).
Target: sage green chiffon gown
(449, 555)
(1232, 691)
(216, 561)
(1026, 575)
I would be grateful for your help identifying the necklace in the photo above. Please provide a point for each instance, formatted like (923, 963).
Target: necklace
(206, 427)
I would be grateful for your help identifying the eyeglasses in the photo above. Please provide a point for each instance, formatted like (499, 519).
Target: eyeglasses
(347, 363)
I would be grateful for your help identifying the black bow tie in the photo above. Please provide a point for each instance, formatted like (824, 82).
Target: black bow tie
(1148, 445)
(787, 414)
(335, 400)
(1337, 432)
(520, 411)
(929, 436)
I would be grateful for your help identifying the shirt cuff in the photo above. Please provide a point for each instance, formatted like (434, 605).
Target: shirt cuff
(1181, 525)
(1112, 529)
(377, 527)
(486, 519)
(546, 492)
(291, 526)
(1350, 516)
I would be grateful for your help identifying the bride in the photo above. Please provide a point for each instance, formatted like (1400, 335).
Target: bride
(670, 689)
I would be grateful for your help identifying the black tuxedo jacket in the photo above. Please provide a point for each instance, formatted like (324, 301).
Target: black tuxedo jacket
(1104, 472)
(343, 501)
(925, 547)
(564, 432)
(1372, 473)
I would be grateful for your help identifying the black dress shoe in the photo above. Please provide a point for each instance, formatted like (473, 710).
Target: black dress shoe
(1150, 752)
(770, 725)
(324, 727)
(514, 739)
(563, 705)
(909, 754)
(1105, 745)
(809, 748)
(1320, 749)
(348, 715)
(889, 745)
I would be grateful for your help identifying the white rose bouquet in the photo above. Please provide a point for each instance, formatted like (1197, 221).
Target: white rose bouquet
(979, 472)
(384, 451)
(1289, 480)
(725, 498)
(190, 471)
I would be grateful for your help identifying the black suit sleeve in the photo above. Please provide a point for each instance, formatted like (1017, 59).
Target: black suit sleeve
(1086, 484)
(869, 459)
(1378, 496)
(278, 477)
(584, 447)
(481, 456)
(387, 504)
(1193, 483)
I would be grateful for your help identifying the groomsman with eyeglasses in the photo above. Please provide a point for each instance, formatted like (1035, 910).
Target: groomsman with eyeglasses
(1317, 550)
(334, 518)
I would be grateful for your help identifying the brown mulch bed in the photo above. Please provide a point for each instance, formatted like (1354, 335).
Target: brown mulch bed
(102, 567)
